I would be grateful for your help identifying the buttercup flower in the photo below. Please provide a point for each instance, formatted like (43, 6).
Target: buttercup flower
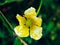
(29, 24)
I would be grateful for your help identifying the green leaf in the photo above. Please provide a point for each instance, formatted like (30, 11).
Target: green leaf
(2, 35)
(3, 2)
(49, 27)
(6, 1)
(17, 42)
(28, 40)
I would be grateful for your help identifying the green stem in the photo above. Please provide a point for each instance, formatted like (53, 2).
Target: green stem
(12, 27)
(6, 20)
(39, 8)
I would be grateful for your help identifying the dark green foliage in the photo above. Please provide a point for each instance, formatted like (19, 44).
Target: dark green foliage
(50, 13)
(17, 42)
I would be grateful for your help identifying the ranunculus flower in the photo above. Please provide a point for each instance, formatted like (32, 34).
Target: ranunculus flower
(29, 24)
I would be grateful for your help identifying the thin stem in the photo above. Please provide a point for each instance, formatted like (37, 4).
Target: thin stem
(12, 27)
(24, 43)
(6, 20)
(39, 8)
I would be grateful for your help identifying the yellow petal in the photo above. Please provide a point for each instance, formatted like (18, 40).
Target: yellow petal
(37, 21)
(30, 12)
(36, 32)
(21, 31)
(20, 19)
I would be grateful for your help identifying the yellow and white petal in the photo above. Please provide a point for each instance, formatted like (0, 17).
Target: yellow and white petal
(37, 21)
(21, 31)
(20, 19)
(30, 12)
(35, 32)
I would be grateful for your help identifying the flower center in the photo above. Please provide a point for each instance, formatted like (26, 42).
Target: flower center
(28, 22)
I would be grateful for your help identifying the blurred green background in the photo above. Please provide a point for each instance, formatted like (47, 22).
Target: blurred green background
(50, 13)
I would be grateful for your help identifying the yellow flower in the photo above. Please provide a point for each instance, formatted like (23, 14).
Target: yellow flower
(29, 24)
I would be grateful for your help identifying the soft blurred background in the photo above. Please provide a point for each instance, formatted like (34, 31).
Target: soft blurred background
(50, 13)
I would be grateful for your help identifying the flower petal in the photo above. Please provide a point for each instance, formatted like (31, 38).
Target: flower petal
(30, 12)
(36, 32)
(36, 21)
(21, 31)
(20, 19)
